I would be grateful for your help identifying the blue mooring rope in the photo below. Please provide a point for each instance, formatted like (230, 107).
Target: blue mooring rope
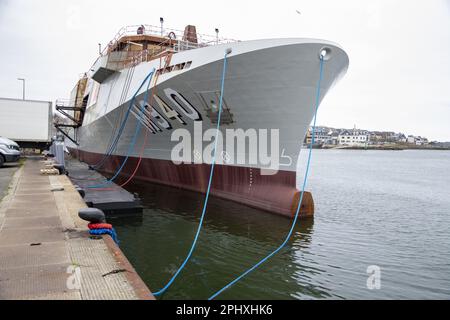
(299, 203)
(112, 232)
(122, 125)
(136, 134)
(194, 243)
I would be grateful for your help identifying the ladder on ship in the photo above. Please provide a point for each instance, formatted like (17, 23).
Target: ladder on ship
(73, 111)
(68, 111)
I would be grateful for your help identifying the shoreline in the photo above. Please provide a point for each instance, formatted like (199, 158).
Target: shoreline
(381, 148)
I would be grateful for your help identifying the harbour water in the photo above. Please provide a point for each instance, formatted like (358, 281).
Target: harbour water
(389, 209)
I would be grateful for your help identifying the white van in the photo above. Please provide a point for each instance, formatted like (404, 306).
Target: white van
(9, 151)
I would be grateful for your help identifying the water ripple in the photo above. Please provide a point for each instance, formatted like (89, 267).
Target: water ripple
(388, 209)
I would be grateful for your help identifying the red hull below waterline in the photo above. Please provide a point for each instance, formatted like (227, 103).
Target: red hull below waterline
(272, 193)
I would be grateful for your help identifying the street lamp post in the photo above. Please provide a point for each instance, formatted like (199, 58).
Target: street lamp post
(23, 87)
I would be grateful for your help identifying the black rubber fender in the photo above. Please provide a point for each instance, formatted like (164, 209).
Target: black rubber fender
(92, 215)
(81, 192)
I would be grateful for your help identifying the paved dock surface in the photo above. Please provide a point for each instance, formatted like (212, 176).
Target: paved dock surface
(45, 249)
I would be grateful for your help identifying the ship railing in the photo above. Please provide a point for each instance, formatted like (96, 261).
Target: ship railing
(118, 60)
(63, 103)
(203, 40)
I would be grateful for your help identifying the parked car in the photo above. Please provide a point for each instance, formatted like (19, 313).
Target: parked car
(9, 151)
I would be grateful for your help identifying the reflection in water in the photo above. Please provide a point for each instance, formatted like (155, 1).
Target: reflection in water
(234, 237)
(389, 209)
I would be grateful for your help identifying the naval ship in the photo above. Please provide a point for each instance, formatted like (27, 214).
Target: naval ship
(168, 84)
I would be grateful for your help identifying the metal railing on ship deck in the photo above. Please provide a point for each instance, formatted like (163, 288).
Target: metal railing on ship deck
(172, 42)
(181, 45)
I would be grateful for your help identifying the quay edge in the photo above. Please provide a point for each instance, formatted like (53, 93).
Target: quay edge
(42, 242)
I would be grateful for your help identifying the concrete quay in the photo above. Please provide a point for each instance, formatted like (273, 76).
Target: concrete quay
(46, 251)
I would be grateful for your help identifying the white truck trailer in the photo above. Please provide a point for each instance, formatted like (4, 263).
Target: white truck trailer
(28, 122)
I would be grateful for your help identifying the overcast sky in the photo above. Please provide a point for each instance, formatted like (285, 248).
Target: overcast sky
(398, 80)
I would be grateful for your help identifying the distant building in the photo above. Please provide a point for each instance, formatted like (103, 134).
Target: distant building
(322, 135)
(402, 138)
(358, 138)
(333, 139)
(377, 137)
(392, 137)
(383, 137)
(411, 139)
(421, 141)
(440, 144)
(418, 141)
(326, 136)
